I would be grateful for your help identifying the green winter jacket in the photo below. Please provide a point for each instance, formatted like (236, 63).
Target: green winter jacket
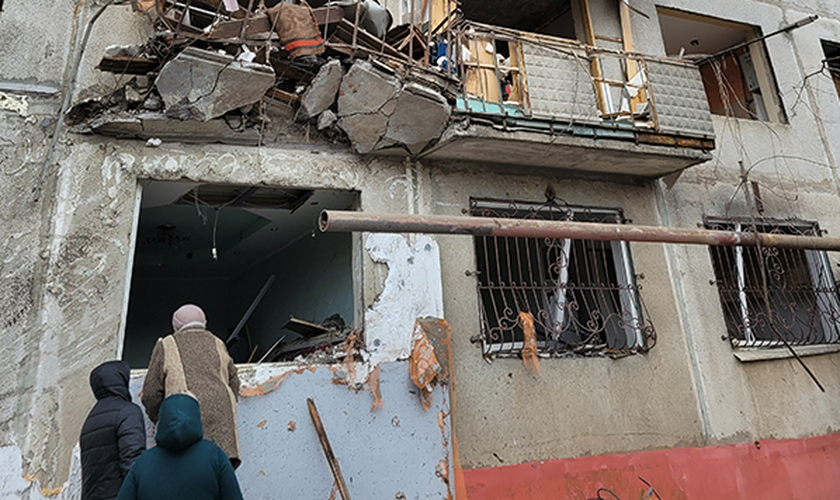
(182, 465)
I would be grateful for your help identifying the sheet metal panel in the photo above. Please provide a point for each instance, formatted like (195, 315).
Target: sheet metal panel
(559, 83)
(679, 99)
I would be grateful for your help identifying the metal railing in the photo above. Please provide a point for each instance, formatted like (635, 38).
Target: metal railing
(582, 294)
(767, 293)
(509, 72)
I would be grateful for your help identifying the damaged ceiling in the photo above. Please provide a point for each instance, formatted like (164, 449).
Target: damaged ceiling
(181, 222)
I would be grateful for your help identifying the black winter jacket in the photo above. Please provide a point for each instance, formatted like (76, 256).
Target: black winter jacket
(113, 435)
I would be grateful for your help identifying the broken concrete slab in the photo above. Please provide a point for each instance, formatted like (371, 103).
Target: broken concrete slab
(156, 125)
(326, 120)
(201, 85)
(322, 91)
(420, 116)
(365, 89)
(364, 130)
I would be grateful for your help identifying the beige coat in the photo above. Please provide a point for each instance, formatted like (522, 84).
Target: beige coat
(194, 360)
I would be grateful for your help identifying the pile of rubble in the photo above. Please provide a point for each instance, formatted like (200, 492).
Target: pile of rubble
(215, 69)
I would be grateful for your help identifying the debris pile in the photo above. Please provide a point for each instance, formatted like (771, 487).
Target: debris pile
(214, 69)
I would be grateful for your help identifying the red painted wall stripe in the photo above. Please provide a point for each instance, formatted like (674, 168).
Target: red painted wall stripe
(789, 469)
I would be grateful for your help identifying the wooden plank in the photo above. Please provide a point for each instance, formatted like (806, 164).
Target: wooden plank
(128, 65)
(328, 15)
(661, 140)
(325, 444)
(609, 39)
(441, 11)
(305, 328)
(232, 29)
(482, 82)
(627, 45)
(595, 64)
(261, 23)
(281, 95)
(517, 93)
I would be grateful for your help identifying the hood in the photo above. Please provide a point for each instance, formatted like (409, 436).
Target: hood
(179, 423)
(111, 380)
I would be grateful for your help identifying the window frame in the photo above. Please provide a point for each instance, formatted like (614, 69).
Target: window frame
(768, 103)
(638, 332)
(822, 285)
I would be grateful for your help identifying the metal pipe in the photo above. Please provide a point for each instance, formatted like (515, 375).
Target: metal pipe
(345, 221)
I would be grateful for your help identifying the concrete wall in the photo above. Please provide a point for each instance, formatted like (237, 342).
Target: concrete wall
(795, 166)
(579, 406)
(690, 389)
(78, 284)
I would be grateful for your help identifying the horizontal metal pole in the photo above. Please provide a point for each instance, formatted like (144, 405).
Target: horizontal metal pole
(344, 221)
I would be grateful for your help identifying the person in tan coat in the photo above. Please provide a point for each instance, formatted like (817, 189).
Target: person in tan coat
(194, 361)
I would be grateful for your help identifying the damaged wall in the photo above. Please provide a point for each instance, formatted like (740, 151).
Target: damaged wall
(88, 251)
(579, 406)
(397, 449)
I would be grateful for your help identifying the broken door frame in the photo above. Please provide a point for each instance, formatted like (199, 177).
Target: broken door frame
(356, 259)
(129, 266)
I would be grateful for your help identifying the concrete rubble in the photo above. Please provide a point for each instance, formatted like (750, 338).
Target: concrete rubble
(378, 111)
(205, 68)
(321, 93)
(200, 85)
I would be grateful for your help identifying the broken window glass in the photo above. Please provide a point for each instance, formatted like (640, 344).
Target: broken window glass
(582, 294)
(768, 293)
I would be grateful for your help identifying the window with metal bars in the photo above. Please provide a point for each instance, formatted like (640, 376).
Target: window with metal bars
(772, 293)
(582, 294)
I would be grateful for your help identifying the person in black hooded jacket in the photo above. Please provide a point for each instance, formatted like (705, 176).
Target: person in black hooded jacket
(113, 435)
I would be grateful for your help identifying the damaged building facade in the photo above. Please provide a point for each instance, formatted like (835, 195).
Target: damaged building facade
(168, 151)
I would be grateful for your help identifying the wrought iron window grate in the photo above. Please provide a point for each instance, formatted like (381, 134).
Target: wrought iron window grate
(770, 292)
(582, 294)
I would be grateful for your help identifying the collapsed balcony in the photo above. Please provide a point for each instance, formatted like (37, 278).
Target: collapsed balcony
(437, 87)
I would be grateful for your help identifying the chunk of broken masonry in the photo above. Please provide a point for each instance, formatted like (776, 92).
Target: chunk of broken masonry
(377, 112)
(202, 85)
(322, 91)
(420, 116)
(326, 120)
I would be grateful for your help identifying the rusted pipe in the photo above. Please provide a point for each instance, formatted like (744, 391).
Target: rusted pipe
(344, 221)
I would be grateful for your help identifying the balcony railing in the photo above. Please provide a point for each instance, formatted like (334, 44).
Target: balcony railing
(563, 82)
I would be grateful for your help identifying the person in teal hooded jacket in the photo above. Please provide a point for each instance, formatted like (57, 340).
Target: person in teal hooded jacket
(183, 464)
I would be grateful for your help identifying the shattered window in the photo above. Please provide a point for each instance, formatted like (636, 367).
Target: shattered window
(772, 293)
(581, 294)
(738, 80)
(832, 61)
(272, 288)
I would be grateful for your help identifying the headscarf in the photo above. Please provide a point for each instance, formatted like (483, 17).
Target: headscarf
(188, 315)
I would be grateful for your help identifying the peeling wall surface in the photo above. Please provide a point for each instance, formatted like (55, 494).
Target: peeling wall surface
(69, 207)
(393, 449)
